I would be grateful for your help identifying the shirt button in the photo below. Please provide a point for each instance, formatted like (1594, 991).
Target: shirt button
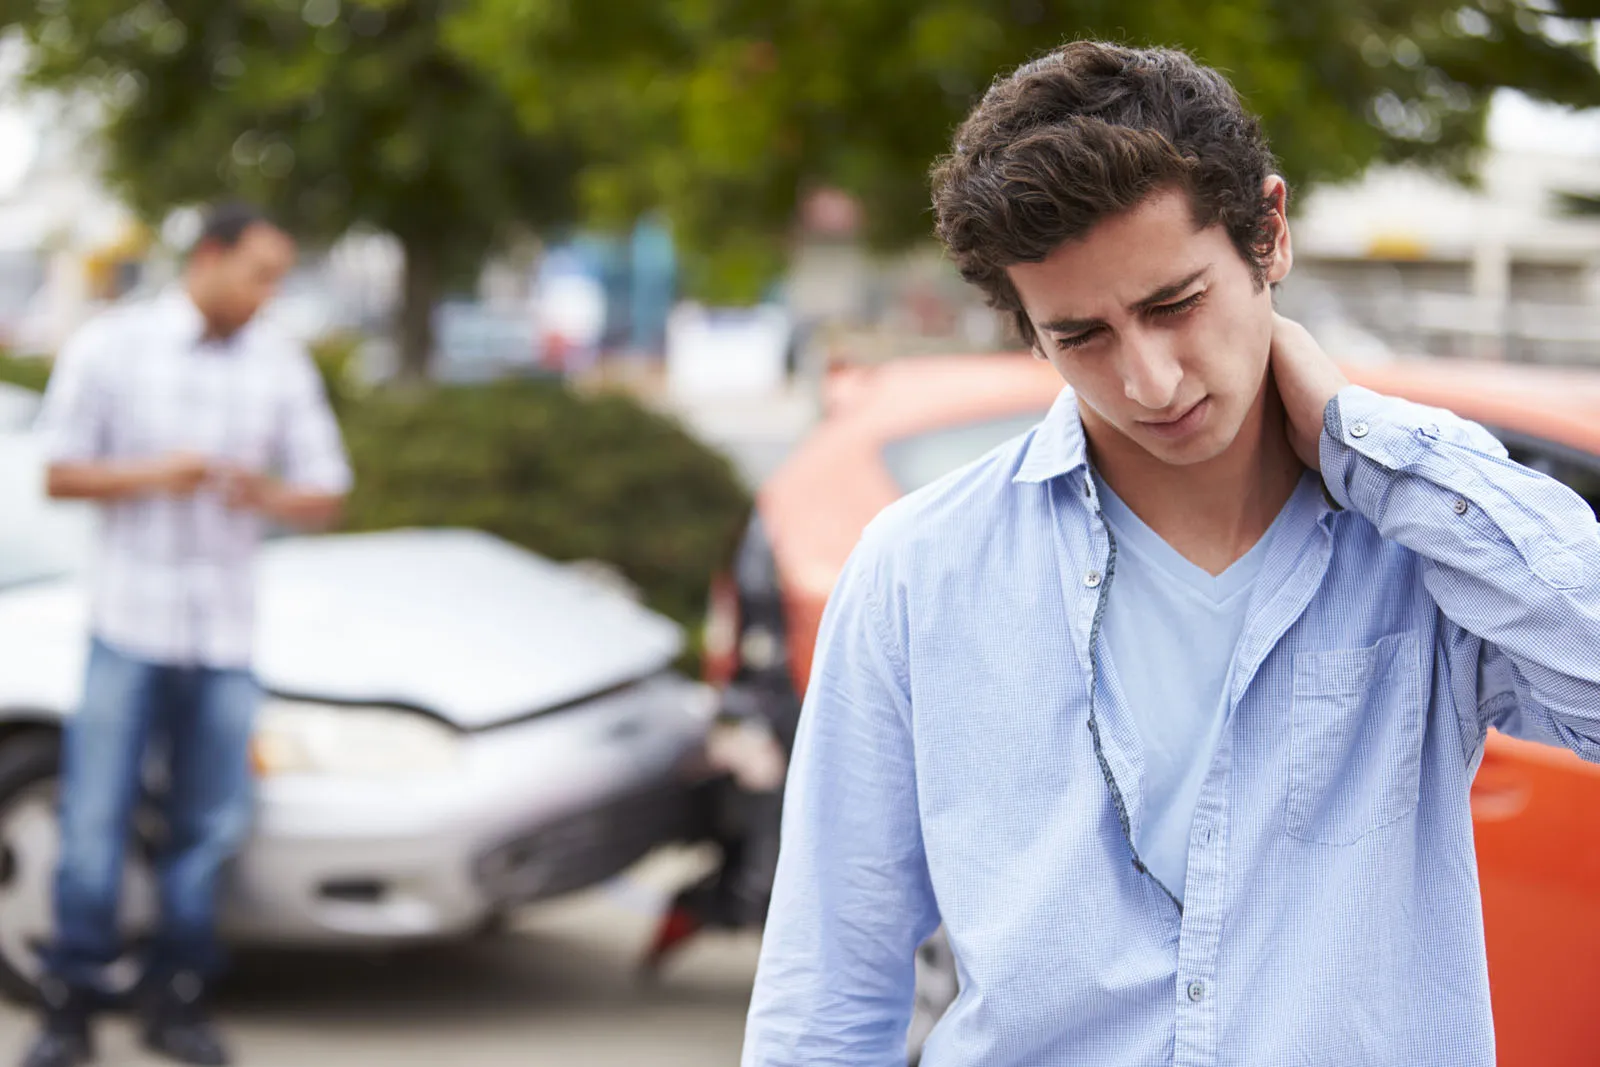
(1460, 506)
(1092, 579)
(1197, 991)
(1358, 430)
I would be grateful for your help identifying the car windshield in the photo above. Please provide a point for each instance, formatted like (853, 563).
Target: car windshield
(917, 461)
(40, 538)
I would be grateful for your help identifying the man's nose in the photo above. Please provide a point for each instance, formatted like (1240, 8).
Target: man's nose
(1150, 371)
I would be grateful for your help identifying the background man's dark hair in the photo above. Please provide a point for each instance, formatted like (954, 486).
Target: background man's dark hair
(223, 224)
(1088, 132)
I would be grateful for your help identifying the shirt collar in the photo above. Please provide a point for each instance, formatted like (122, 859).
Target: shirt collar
(1057, 446)
(180, 316)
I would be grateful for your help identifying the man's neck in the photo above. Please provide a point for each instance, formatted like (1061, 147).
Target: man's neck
(1211, 513)
(210, 332)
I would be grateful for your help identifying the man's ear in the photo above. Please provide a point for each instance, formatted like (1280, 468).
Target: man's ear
(1276, 192)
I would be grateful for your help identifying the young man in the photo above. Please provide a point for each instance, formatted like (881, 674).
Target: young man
(191, 428)
(1169, 710)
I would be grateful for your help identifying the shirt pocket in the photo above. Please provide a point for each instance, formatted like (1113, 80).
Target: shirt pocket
(1356, 740)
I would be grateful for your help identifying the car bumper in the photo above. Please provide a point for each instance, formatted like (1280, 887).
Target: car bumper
(533, 809)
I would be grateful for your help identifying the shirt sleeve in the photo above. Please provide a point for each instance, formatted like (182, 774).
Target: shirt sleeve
(1511, 556)
(73, 424)
(310, 448)
(852, 899)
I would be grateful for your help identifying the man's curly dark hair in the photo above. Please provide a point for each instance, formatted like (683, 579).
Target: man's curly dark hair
(1084, 133)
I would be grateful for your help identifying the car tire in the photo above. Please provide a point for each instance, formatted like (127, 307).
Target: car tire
(29, 764)
(30, 767)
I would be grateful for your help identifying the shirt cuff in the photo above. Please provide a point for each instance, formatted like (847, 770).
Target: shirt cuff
(1394, 434)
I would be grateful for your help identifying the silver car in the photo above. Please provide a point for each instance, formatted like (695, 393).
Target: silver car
(454, 727)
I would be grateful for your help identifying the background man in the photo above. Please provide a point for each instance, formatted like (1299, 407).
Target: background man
(192, 428)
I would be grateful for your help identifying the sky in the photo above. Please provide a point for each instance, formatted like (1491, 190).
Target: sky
(1518, 124)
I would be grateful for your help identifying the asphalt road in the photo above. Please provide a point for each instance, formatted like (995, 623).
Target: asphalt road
(556, 990)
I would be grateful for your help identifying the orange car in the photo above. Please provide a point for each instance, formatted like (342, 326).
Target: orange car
(897, 427)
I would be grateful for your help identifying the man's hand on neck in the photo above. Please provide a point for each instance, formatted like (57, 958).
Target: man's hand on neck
(1307, 379)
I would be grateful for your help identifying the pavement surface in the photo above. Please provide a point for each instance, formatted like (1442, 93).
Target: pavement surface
(558, 989)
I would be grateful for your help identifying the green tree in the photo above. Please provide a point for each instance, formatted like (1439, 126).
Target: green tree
(726, 111)
(332, 113)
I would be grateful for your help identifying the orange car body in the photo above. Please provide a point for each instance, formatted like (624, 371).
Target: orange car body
(1536, 809)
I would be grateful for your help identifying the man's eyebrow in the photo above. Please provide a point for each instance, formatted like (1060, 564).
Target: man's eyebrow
(1163, 295)
(1168, 293)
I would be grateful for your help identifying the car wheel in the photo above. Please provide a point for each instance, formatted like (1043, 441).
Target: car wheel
(936, 989)
(29, 844)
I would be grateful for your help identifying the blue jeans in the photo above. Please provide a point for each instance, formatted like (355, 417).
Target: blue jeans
(201, 719)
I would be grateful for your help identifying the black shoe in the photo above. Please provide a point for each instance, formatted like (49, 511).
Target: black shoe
(177, 1026)
(64, 1040)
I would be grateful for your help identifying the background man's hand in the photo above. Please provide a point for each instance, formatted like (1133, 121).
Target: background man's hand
(244, 490)
(182, 473)
(1307, 379)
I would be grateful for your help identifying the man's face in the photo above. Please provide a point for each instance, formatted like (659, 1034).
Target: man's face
(1161, 329)
(237, 282)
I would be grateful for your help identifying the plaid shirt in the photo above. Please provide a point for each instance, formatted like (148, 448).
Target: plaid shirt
(173, 579)
(967, 755)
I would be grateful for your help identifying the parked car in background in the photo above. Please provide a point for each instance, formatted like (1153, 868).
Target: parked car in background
(898, 427)
(473, 342)
(476, 343)
(453, 727)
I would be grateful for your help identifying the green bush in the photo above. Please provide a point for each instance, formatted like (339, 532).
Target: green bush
(26, 372)
(569, 476)
(335, 359)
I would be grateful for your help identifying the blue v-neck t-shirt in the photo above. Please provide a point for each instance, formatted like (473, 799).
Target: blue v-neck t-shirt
(1171, 630)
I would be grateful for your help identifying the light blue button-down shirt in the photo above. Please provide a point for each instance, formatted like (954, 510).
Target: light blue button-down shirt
(963, 760)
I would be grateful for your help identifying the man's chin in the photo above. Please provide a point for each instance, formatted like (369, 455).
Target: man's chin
(1186, 452)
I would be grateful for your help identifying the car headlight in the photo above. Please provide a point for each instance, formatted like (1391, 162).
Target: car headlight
(302, 737)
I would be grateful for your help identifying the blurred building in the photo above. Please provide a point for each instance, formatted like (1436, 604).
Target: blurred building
(65, 244)
(1500, 271)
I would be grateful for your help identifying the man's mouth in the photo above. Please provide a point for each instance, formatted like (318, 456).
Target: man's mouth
(1185, 421)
